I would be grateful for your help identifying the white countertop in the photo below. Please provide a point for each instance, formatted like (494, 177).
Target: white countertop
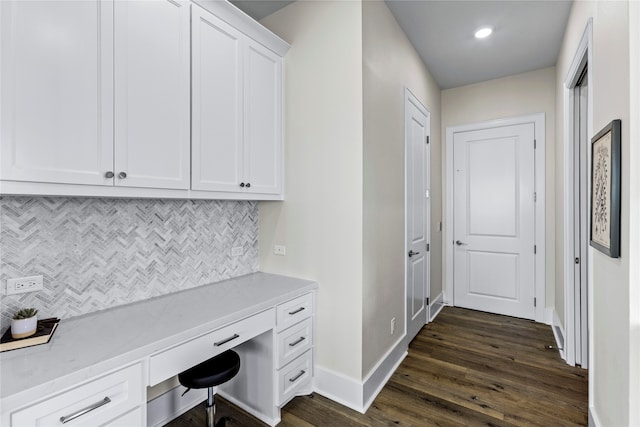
(90, 345)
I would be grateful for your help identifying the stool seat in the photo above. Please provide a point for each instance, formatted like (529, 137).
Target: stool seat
(212, 372)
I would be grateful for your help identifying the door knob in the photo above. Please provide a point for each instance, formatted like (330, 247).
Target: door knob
(459, 243)
(411, 253)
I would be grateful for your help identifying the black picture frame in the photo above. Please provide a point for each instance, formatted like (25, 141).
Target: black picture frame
(605, 190)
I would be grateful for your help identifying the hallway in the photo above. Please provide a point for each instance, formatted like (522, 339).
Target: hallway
(466, 368)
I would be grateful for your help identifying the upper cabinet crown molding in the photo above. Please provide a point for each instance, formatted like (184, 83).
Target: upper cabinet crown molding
(244, 23)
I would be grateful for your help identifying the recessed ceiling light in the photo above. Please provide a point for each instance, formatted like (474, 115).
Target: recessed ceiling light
(483, 32)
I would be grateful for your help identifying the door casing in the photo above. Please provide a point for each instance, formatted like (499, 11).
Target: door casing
(541, 313)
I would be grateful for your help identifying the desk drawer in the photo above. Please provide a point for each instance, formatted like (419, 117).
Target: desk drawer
(171, 362)
(294, 341)
(291, 312)
(293, 377)
(99, 402)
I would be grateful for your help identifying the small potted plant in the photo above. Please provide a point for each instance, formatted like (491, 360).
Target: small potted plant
(24, 323)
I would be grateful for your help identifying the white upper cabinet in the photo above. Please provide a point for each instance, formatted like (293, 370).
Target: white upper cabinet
(139, 98)
(263, 119)
(56, 93)
(60, 92)
(216, 103)
(152, 94)
(237, 143)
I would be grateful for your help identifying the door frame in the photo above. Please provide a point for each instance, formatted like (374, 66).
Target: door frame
(582, 57)
(541, 313)
(409, 97)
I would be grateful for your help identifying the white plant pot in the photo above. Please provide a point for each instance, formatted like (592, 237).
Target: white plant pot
(22, 328)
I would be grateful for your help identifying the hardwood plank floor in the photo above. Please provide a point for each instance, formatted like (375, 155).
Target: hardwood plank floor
(467, 368)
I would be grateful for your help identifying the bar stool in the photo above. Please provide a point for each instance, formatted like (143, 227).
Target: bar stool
(211, 373)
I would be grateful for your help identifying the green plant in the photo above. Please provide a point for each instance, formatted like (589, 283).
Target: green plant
(25, 313)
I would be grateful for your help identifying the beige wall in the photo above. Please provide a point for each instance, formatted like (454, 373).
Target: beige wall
(609, 375)
(320, 222)
(517, 95)
(634, 206)
(390, 63)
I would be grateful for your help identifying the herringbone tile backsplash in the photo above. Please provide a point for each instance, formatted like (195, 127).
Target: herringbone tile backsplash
(100, 253)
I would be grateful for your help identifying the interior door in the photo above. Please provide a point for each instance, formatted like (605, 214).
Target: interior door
(417, 128)
(494, 219)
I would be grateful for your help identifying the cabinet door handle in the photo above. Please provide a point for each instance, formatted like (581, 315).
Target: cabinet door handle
(248, 184)
(122, 175)
(291, 313)
(296, 342)
(109, 174)
(294, 379)
(224, 341)
(83, 411)
(242, 184)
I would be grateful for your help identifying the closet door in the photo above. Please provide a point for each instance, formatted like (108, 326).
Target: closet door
(56, 93)
(216, 104)
(152, 94)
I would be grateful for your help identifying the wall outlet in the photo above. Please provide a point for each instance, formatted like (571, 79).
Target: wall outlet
(22, 285)
(280, 250)
(237, 251)
(393, 325)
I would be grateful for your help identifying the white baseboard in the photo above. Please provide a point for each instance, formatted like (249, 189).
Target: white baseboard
(171, 405)
(594, 421)
(436, 306)
(339, 388)
(558, 333)
(354, 394)
(380, 374)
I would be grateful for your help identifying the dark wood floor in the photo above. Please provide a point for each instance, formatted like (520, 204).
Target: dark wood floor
(465, 368)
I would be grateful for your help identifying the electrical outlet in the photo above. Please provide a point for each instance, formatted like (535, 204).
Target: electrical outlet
(393, 325)
(22, 285)
(279, 250)
(237, 251)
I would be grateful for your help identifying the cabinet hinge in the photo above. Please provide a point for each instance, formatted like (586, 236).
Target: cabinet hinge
(427, 139)
(534, 144)
(535, 302)
(577, 260)
(427, 300)
(535, 249)
(428, 246)
(535, 196)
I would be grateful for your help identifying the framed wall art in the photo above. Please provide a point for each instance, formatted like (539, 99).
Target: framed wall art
(605, 190)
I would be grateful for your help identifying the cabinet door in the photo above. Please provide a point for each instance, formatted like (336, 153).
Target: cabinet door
(56, 91)
(263, 119)
(217, 103)
(152, 94)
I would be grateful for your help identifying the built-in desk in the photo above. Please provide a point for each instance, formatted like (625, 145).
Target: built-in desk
(118, 352)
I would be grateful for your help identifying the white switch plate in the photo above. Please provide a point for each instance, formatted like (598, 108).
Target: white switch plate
(279, 250)
(237, 251)
(22, 285)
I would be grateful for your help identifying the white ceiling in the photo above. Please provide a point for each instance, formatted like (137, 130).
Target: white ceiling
(527, 34)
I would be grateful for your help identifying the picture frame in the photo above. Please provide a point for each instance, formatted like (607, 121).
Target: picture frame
(605, 190)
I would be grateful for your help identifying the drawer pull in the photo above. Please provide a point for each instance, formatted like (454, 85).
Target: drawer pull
(81, 412)
(291, 313)
(294, 379)
(219, 343)
(296, 342)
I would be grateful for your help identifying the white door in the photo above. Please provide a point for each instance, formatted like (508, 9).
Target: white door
(494, 218)
(152, 99)
(262, 171)
(216, 103)
(417, 129)
(56, 90)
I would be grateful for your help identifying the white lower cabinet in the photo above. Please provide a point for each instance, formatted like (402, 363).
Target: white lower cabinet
(294, 347)
(115, 399)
